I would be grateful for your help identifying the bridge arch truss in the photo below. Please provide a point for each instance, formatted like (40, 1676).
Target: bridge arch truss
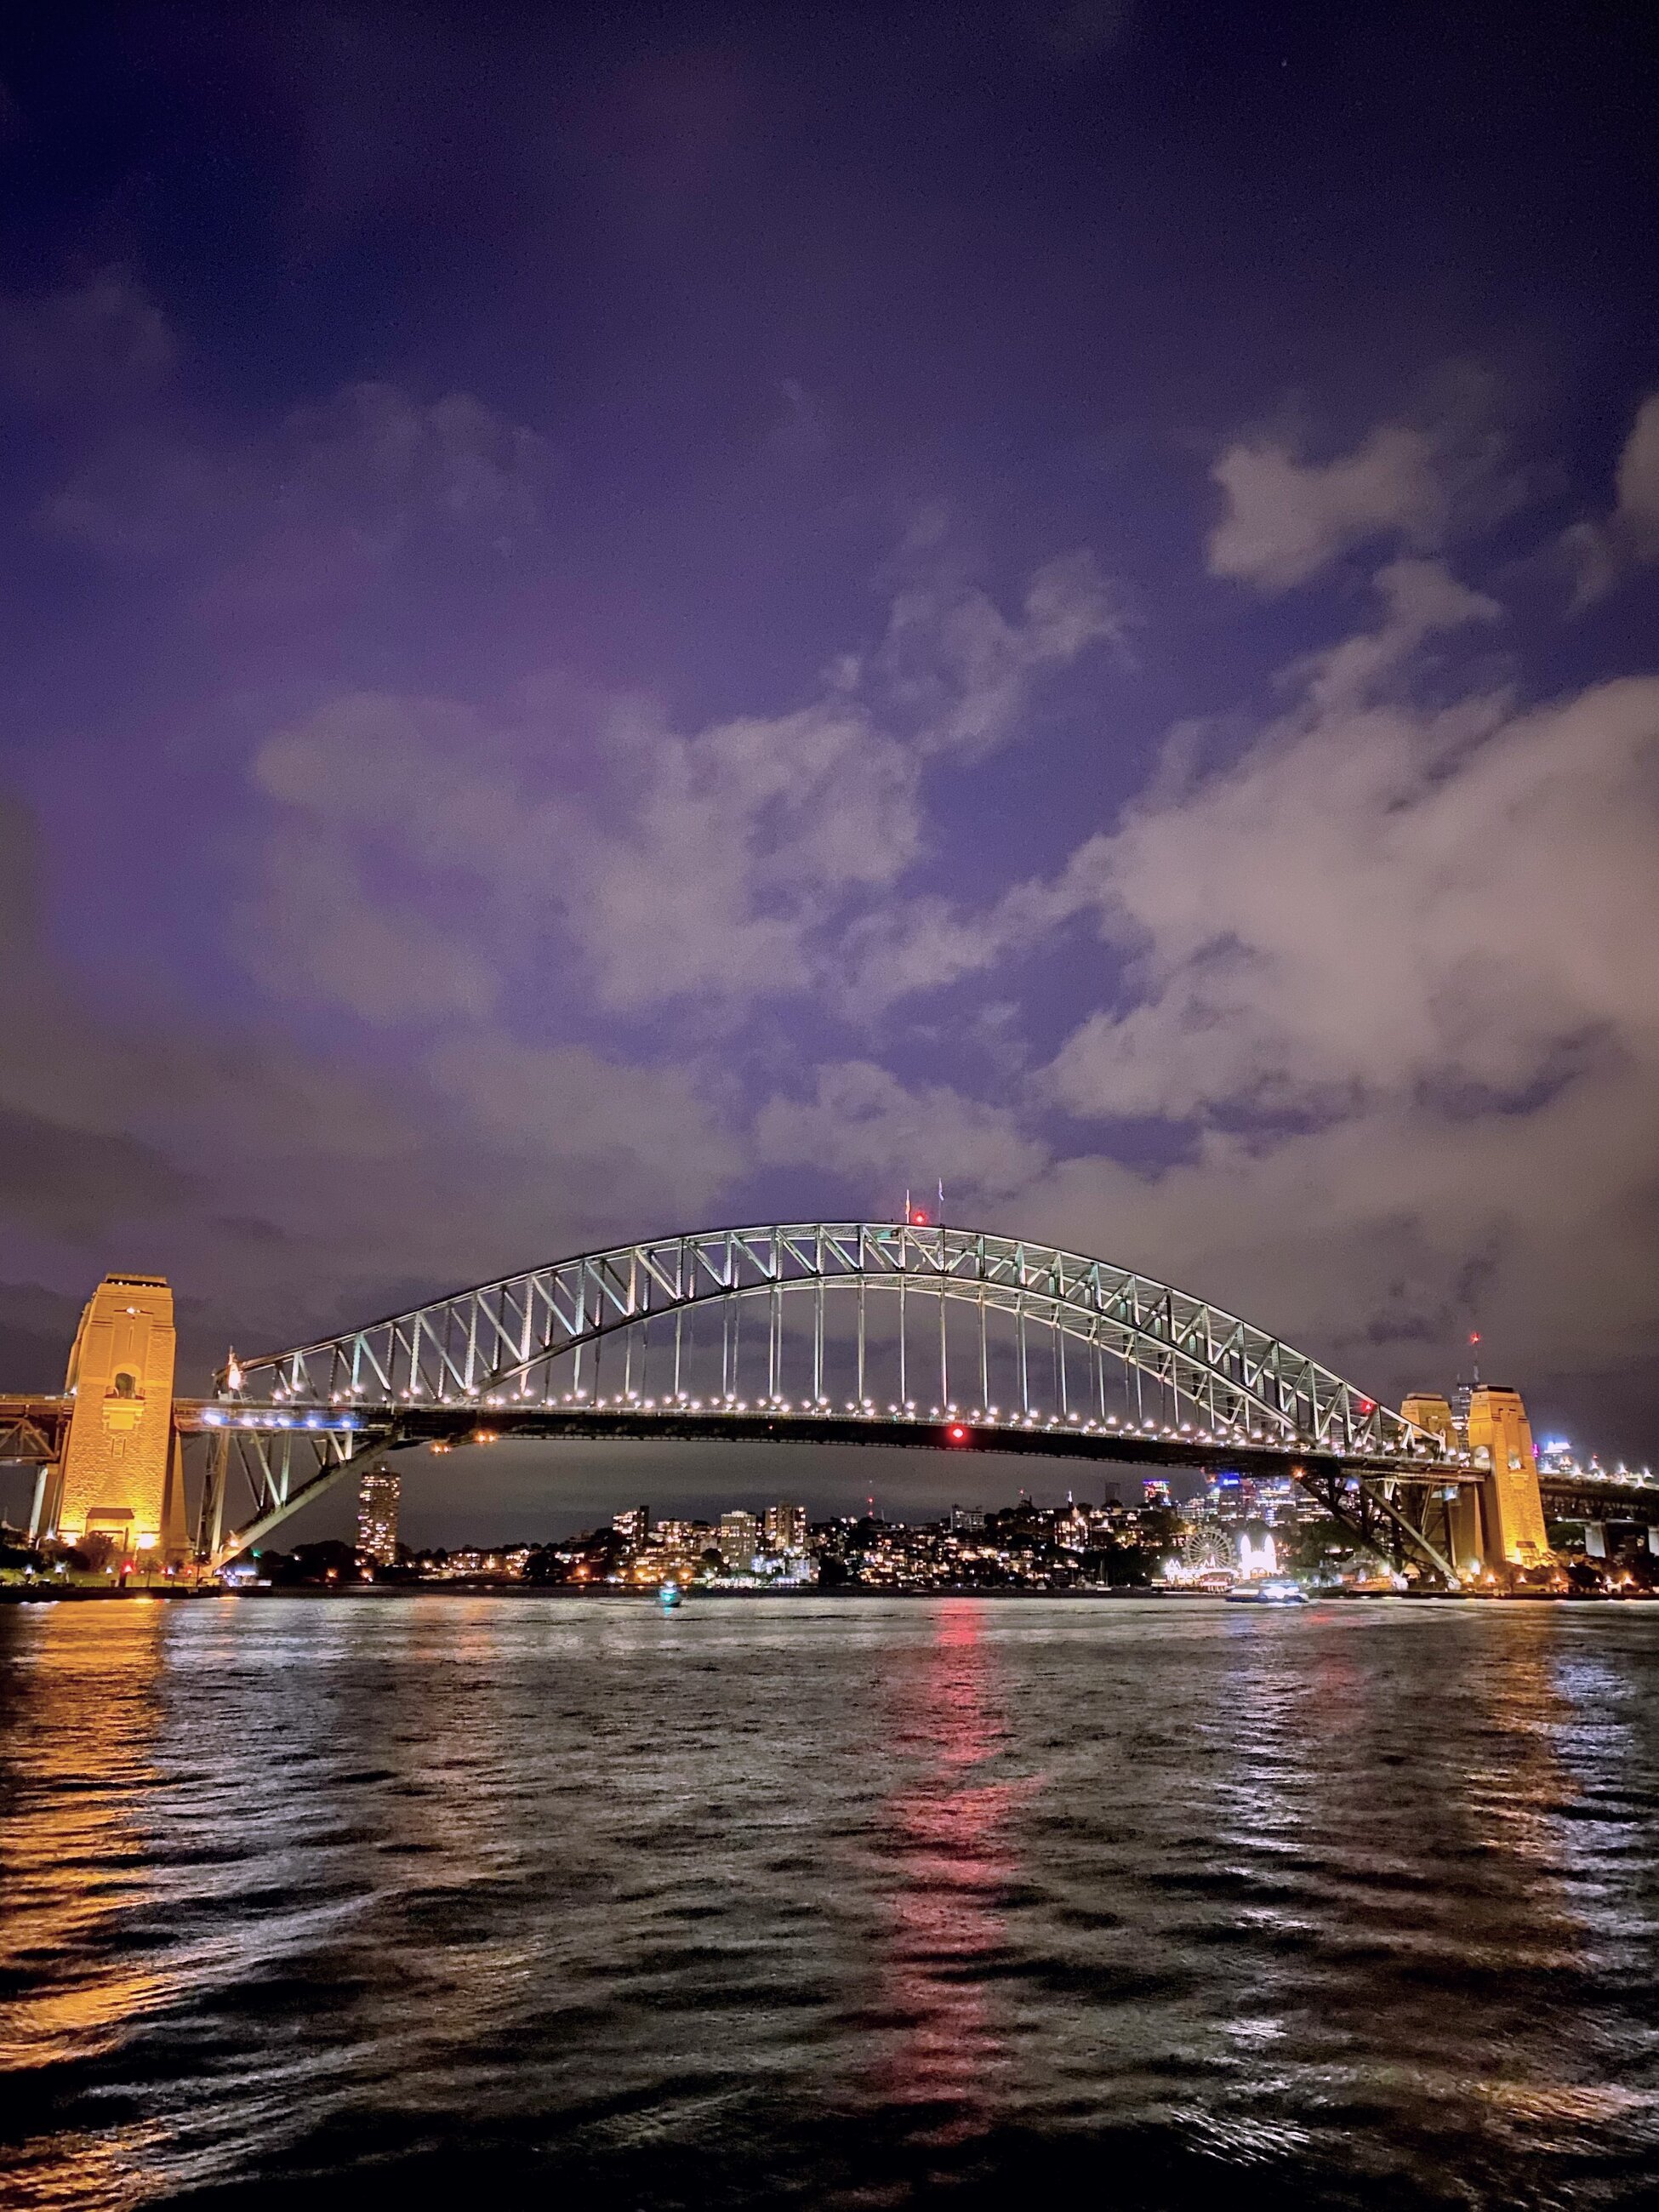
(537, 1339)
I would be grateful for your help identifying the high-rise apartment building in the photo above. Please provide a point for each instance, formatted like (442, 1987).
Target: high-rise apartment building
(633, 1525)
(786, 1527)
(740, 1536)
(379, 1493)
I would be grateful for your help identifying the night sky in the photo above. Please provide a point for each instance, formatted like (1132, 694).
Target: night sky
(620, 619)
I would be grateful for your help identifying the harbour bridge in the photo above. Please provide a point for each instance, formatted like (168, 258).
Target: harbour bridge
(899, 1334)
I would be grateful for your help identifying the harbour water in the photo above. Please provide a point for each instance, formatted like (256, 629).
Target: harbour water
(810, 1902)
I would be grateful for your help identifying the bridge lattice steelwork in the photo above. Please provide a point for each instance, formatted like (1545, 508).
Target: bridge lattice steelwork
(1019, 1344)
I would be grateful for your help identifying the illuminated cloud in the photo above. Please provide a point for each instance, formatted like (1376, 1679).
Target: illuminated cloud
(1602, 553)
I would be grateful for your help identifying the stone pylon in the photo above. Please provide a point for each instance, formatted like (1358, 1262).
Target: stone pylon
(1511, 1505)
(1427, 1410)
(122, 1476)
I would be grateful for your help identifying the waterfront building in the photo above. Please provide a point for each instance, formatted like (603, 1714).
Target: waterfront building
(633, 1525)
(380, 1492)
(739, 1542)
(786, 1527)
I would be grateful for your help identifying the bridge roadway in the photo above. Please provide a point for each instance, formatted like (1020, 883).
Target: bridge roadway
(447, 1428)
(32, 1427)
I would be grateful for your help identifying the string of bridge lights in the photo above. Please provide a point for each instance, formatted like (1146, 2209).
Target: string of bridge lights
(964, 1420)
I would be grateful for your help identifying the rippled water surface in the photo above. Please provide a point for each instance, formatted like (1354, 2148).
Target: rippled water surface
(844, 1903)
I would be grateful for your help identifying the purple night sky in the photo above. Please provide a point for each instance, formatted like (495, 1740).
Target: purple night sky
(620, 619)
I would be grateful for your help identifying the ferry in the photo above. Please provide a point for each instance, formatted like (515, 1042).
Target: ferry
(1275, 1591)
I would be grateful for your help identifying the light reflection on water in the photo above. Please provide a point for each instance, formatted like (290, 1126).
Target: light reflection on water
(851, 1903)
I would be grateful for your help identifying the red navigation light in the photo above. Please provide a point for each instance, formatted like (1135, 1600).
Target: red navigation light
(917, 1219)
(957, 1434)
(1474, 1336)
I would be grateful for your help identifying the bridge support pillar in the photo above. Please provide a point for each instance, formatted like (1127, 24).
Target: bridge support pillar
(48, 1499)
(1463, 1523)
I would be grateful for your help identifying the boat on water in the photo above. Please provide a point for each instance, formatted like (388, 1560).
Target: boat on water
(669, 1596)
(1277, 1590)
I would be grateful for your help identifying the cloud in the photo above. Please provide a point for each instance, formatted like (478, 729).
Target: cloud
(99, 343)
(1391, 969)
(911, 947)
(1377, 1240)
(725, 865)
(1287, 519)
(311, 932)
(956, 667)
(1638, 479)
(1410, 485)
(863, 1123)
(372, 455)
(1378, 896)
(142, 1135)
(68, 1182)
(355, 477)
(351, 477)
(647, 1130)
(1384, 977)
(1602, 553)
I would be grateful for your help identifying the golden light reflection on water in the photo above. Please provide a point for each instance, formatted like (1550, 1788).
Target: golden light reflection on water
(77, 1765)
(70, 1840)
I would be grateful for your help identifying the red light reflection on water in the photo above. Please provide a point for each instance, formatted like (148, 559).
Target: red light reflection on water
(947, 1835)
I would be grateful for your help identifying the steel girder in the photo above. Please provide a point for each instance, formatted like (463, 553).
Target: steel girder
(282, 1470)
(498, 1340)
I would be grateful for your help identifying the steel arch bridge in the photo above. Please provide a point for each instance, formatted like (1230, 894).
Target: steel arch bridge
(537, 1354)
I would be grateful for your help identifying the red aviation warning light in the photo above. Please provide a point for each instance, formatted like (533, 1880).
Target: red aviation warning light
(957, 1434)
(1474, 1336)
(918, 1219)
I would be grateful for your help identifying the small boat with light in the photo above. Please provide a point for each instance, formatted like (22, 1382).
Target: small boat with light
(669, 1596)
(1276, 1590)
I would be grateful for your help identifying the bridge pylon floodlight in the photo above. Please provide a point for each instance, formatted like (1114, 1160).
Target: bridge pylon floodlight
(121, 1477)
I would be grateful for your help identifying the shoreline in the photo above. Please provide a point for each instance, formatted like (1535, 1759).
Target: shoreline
(522, 1594)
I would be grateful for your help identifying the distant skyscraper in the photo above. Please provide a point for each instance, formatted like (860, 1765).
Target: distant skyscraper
(786, 1527)
(739, 1535)
(633, 1525)
(378, 1495)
